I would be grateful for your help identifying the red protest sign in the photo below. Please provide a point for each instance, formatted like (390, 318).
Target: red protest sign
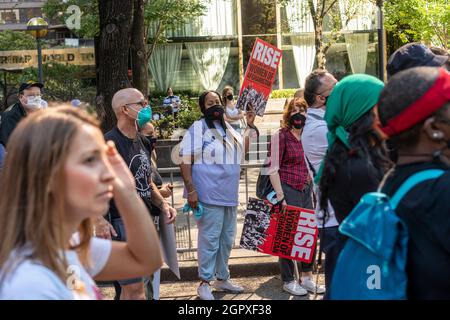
(292, 234)
(259, 76)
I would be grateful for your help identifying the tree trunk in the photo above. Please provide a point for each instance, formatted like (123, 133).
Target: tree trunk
(112, 55)
(320, 46)
(154, 41)
(139, 61)
(317, 18)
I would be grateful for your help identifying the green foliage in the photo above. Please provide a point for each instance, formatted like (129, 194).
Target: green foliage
(260, 21)
(283, 93)
(189, 113)
(165, 127)
(16, 40)
(171, 14)
(62, 82)
(419, 20)
(328, 17)
(56, 10)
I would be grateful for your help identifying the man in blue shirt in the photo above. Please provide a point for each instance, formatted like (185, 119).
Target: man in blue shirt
(171, 103)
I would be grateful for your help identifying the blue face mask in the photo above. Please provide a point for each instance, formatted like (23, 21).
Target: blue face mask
(144, 116)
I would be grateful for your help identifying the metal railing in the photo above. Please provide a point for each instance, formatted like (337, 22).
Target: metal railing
(244, 166)
(183, 233)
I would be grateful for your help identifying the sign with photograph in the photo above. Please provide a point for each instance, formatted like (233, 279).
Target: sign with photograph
(259, 77)
(291, 234)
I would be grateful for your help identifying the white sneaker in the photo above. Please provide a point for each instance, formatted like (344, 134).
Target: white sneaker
(204, 291)
(227, 285)
(309, 285)
(294, 288)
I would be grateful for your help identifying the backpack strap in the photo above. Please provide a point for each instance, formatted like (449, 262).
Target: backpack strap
(311, 167)
(411, 182)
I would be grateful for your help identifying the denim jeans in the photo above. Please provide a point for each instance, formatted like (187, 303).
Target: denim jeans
(216, 232)
(121, 236)
(328, 238)
(331, 258)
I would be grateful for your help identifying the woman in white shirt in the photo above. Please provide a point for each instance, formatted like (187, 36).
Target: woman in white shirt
(58, 175)
(233, 115)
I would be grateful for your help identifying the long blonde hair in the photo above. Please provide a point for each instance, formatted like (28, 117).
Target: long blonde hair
(32, 189)
(225, 90)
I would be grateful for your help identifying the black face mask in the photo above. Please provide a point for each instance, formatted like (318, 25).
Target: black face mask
(152, 141)
(214, 113)
(230, 97)
(298, 121)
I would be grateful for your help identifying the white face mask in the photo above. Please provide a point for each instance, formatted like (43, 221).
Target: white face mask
(35, 102)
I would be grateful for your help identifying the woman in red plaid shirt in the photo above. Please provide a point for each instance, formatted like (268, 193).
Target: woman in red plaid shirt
(292, 183)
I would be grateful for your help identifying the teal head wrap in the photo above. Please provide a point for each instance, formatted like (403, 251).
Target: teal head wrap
(350, 99)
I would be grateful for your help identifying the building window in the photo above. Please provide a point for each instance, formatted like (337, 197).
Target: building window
(27, 14)
(9, 16)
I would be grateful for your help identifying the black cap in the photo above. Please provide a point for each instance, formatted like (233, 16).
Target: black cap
(29, 84)
(413, 55)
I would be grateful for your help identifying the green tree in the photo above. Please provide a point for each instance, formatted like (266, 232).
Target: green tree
(259, 21)
(62, 82)
(327, 13)
(419, 20)
(89, 28)
(162, 14)
(165, 15)
(16, 40)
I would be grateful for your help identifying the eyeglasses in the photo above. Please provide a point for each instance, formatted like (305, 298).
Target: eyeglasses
(142, 103)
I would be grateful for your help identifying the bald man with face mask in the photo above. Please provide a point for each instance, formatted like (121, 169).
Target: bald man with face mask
(133, 113)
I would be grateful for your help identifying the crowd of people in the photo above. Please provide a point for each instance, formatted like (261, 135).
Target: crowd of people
(78, 206)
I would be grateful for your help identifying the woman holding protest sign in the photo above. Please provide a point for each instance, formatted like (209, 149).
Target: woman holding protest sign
(211, 153)
(292, 183)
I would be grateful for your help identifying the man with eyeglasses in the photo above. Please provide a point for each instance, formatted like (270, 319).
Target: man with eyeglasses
(30, 99)
(318, 87)
(133, 113)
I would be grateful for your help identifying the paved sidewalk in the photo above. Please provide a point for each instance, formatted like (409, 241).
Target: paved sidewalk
(255, 288)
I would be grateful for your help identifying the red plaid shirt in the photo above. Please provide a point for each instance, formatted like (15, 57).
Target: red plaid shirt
(292, 166)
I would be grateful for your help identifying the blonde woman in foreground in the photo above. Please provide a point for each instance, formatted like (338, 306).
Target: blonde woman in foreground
(58, 175)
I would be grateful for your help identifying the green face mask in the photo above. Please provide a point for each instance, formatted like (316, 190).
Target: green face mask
(144, 116)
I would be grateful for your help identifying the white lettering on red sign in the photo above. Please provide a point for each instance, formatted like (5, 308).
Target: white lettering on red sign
(304, 238)
(266, 55)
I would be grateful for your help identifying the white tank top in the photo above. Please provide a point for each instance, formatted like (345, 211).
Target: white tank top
(233, 113)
